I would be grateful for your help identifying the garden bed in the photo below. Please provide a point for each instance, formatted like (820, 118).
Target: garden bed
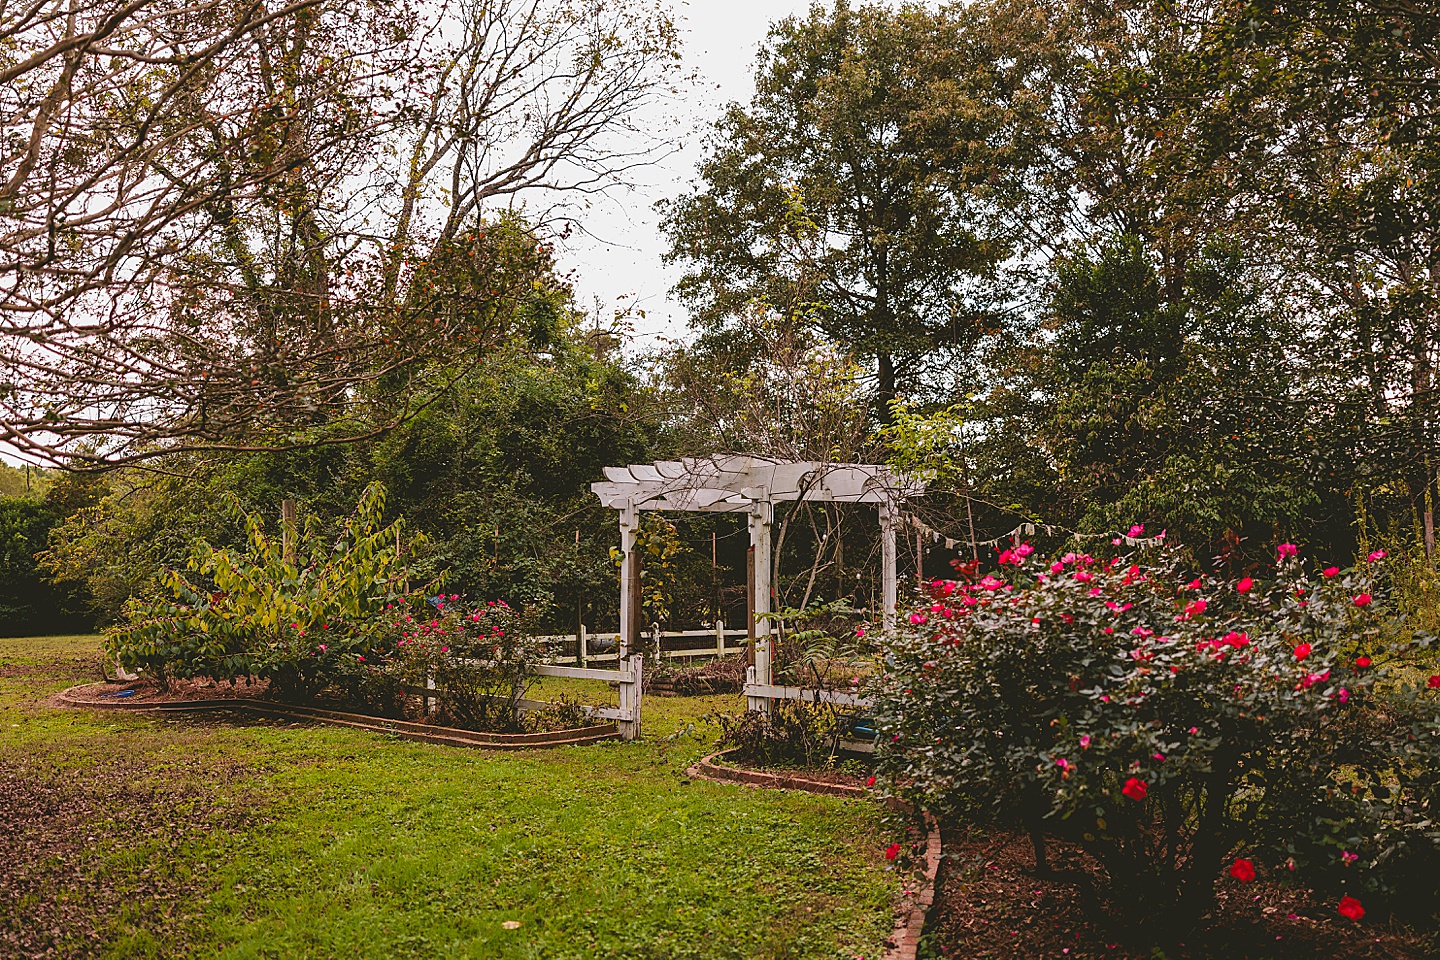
(143, 699)
(717, 767)
(990, 905)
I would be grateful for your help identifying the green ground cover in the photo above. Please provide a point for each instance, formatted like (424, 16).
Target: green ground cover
(149, 837)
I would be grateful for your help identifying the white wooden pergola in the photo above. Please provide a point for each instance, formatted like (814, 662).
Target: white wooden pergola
(751, 485)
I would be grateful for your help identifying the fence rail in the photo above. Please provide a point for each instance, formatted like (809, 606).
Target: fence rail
(654, 641)
(629, 679)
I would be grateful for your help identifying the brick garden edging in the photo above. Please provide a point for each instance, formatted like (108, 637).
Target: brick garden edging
(910, 916)
(420, 732)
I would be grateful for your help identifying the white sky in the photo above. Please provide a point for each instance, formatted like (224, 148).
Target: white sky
(619, 263)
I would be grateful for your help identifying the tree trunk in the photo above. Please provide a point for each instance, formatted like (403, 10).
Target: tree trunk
(885, 392)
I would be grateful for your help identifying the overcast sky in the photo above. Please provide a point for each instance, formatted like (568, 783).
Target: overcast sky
(618, 258)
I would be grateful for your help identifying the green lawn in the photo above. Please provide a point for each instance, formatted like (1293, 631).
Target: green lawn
(139, 837)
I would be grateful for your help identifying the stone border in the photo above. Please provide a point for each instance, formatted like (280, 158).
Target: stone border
(904, 942)
(421, 732)
(914, 909)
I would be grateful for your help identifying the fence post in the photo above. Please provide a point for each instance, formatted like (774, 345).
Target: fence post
(631, 693)
(754, 703)
(432, 705)
(719, 639)
(637, 694)
(659, 648)
(582, 656)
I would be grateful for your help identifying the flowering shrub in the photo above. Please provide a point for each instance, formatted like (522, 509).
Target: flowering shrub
(302, 623)
(478, 656)
(1168, 722)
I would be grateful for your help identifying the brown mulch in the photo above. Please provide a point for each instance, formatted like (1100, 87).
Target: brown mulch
(146, 691)
(61, 824)
(990, 906)
(809, 773)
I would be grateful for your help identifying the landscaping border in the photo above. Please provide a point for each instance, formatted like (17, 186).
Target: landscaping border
(420, 732)
(914, 908)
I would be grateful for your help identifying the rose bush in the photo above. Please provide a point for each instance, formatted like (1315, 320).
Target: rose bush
(1167, 722)
(478, 656)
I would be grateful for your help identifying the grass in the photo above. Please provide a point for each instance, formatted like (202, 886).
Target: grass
(200, 837)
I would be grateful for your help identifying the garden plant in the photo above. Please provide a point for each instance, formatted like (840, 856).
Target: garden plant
(1179, 728)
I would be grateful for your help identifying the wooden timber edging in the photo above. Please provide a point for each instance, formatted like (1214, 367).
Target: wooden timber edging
(915, 903)
(405, 729)
(708, 769)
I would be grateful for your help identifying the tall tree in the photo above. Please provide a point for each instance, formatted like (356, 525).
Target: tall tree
(875, 184)
(217, 222)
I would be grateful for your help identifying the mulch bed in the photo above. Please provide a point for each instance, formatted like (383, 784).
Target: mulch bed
(990, 905)
(180, 691)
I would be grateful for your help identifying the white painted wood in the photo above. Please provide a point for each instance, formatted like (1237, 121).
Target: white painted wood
(621, 676)
(432, 704)
(767, 692)
(629, 524)
(762, 516)
(888, 517)
(720, 638)
(581, 648)
(754, 702)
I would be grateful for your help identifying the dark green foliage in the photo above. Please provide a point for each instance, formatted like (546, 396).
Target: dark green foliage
(874, 185)
(30, 603)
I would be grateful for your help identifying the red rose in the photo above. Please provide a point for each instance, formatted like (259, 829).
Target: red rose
(1242, 870)
(1362, 600)
(1350, 907)
(870, 782)
(1361, 663)
(1329, 572)
(1434, 682)
(1135, 789)
(1244, 585)
(892, 851)
(1302, 651)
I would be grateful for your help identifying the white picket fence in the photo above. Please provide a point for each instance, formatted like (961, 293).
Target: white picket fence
(629, 678)
(653, 641)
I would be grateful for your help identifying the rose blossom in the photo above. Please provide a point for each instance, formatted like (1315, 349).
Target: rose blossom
(1351, 908)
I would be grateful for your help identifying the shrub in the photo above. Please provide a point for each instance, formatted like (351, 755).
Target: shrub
(793, 733)
(479, 657)
(302, 623)
(1167, 723)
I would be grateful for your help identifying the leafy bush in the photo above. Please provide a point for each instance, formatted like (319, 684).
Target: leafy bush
(793, 733)
(479, 658)
(302, 623)
(1168, 722)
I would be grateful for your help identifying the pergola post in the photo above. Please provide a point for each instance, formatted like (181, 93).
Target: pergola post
(888, 515)
(761, 517)
(629, 579)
